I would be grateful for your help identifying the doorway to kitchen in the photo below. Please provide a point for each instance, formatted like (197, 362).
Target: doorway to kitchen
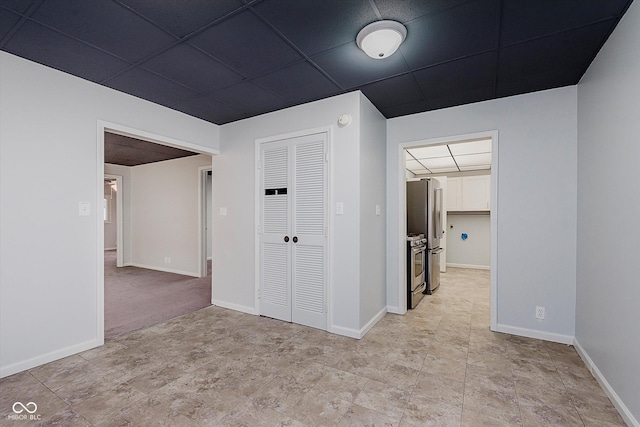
(465, 168)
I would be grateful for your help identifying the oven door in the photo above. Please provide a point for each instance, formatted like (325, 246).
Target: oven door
(418, 266)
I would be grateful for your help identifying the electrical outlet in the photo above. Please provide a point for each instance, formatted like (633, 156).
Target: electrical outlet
(539, 312)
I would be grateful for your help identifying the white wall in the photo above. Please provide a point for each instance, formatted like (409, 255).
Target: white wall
(110, 228)
(125, 173)
(49, 264)
(164, 214)
(373, 289)
(608, 290)
(475, 251)
(233, 185)
(536, 202)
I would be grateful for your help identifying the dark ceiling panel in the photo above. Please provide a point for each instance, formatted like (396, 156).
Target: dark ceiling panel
(299, 83)
(20, 6)
(42, 45)
(106, 25)
(249, 98)
(182, 17)
(464, 30)
(397, 90)
(126, 151)
(7, 21)
(247, 45)
(408, 10)
(179, 63)
(404, 109)
(240, 58)
(316, 26)
(154, 88)
(207, 108)
(350, 67)
(571, 49)
(527, 19)
(454, 76)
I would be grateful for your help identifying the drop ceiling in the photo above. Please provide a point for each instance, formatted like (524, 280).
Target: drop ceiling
(127, 151)
(226, 60)
(458, 157)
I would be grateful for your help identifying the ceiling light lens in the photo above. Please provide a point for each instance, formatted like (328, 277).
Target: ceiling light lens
(381, 39)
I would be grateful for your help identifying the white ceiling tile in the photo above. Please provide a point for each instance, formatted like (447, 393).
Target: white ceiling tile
(430, 152)
(439, 162)
(475, 168)
(462, 148)
(474, 159)
(442, 170)
(415, 166)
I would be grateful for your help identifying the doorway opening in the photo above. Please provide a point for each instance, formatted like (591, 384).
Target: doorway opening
(465, 168)
(158, 271)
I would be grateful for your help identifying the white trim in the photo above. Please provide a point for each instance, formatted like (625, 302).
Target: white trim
(328, 130)
(119, 221)
(236, 307)
(355, 333)
(166, 270)
(534, 333)
(395, 310)
(476, 267)
(123, 130)
(401, 243)
(48, 357)
(625, 413)
(202, 221)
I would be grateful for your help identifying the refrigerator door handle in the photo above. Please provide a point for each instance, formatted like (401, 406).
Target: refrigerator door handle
(437, 251)
(438, 213)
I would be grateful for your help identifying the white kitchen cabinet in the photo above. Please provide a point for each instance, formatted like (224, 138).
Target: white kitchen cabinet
(476, 193)
(454, 194)
(469, 193)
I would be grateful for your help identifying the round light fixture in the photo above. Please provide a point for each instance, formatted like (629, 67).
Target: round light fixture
(381, 39)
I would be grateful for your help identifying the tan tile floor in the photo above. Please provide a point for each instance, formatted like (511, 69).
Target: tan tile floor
(437, 365)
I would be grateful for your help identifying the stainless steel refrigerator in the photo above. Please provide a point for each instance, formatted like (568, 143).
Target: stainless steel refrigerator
(424, 216)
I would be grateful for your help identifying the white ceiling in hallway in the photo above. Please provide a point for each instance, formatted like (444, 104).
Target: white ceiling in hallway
(455, 157)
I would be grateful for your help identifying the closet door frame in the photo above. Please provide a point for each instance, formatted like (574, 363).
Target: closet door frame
(328, 130)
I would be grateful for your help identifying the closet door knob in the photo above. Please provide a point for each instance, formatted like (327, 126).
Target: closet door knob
(286, 238)
(295, 239)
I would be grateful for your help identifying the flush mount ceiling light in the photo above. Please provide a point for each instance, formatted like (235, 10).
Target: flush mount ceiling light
(381, 39)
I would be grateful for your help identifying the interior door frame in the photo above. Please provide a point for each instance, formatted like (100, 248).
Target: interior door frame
(202, 220)
(119, 219)
(119, 129)
(402, 215)
(328, 130)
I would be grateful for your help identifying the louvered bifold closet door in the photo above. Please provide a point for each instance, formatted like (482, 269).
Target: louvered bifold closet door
(309, 254)
(275, 252)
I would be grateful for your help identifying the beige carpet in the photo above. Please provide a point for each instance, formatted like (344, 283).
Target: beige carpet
(136, 298)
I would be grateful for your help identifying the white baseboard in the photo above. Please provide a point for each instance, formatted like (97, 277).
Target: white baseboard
(236, 307)
(477, 267)
(110, 249)
(625, 413)
(355, 333)
(534, 333)
(395, 310)
(166, 270)
(32, 362)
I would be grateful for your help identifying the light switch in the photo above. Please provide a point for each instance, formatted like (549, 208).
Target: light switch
(378, 210)
(223, 211)
(84, 208)
(339, 208)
